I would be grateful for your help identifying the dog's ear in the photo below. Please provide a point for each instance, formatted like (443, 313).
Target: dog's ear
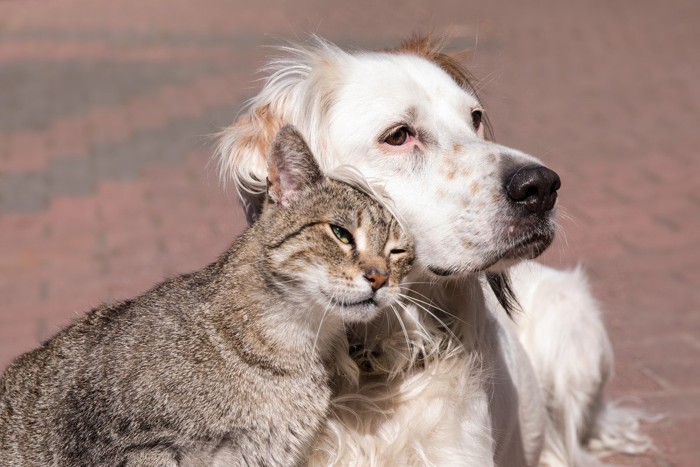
(242, 152)
(244, 146)
(290, 166)
(428, 47)
(501, 286)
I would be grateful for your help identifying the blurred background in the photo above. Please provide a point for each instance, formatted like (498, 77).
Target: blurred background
(107, 184)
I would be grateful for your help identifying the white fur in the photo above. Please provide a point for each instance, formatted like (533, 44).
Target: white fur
(453, 381)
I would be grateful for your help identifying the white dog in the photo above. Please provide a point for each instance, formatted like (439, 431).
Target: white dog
(448, 378)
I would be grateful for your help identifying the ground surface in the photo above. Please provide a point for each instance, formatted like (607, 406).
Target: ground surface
(106, 185)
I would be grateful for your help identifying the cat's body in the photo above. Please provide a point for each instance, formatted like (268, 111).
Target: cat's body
(99, 390)
(226, 366)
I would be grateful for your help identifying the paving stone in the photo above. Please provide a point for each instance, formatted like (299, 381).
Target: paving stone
(24, 192)
(38, 92)
(71, 177)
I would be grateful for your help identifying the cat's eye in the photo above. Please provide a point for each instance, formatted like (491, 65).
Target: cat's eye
(477, 115)
(399, 136)
(397, 251)
(343, 235)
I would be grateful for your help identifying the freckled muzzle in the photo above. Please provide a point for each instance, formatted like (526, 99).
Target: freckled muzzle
(518, 225)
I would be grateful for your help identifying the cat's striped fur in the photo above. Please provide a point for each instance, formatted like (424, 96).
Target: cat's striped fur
(224, 366)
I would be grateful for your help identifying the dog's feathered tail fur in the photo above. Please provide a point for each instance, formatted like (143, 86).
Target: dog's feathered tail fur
(573, 358)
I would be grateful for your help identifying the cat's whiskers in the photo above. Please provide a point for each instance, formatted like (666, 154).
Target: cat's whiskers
(431, 303)
(423, 332)
(417, 283)
(403, 327)
(320, 324)
(290, 281)
(424, 345)
(424, 308)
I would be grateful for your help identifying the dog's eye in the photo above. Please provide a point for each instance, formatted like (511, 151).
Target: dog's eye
(399, 136)
(476, 118)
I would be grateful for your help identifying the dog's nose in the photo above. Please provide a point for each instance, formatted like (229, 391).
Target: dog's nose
(534, 187)
(376, 278)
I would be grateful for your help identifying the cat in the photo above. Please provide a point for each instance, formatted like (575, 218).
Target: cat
(226, 366)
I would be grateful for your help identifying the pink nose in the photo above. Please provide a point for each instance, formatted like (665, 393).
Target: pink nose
(376, 278)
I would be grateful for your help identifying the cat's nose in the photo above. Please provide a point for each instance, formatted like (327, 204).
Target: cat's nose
(376, 278)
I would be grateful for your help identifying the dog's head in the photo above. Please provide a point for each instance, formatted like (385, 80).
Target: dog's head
(409, 120)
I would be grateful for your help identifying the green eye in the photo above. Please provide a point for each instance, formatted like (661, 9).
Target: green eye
(343, 235)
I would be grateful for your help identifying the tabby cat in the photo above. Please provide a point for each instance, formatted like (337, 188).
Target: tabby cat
(225, 366)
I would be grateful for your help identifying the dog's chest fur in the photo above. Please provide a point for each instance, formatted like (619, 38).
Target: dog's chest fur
(451, 404)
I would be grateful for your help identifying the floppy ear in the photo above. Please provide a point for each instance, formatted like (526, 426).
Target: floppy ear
(242, 150)
(287, 96)
(290, 166)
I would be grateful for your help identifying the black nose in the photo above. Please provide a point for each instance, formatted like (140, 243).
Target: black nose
(534, 187)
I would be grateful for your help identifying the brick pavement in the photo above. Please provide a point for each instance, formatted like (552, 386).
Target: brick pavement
(106, 185)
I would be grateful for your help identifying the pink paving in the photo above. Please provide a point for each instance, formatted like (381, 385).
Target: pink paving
(106, 184)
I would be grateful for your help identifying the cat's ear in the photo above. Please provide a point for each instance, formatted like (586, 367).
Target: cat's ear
(290, 166)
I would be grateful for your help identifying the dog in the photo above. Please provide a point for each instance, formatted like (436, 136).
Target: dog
(491, 358)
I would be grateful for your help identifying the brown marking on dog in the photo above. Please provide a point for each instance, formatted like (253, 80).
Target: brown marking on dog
(450, 170)
(428, 47)
(258, 129)
(467, 244)
(456, 148)
(474, 188)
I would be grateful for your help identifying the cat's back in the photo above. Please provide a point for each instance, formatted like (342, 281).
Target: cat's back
(27, 390)
(70, 383)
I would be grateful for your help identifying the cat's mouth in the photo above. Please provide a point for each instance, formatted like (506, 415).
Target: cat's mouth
(350, 303)
(356, 309)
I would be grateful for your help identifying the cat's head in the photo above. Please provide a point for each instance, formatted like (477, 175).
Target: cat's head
(328, 243)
